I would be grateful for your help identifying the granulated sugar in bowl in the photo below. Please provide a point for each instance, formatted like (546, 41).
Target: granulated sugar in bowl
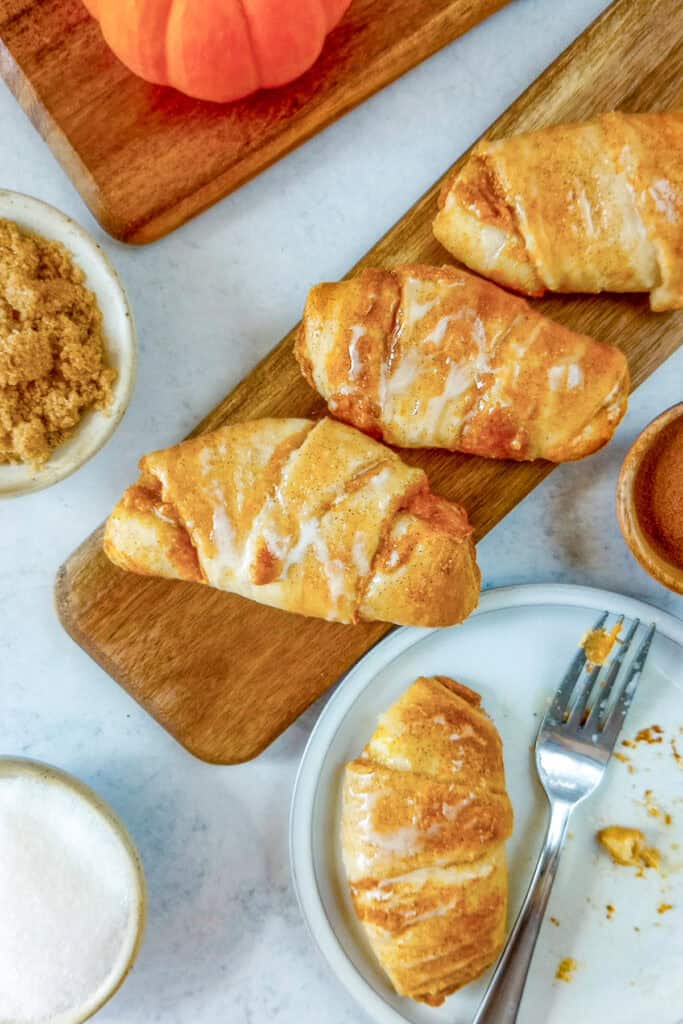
(72, 897)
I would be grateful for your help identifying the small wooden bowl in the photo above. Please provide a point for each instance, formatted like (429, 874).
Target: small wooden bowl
(652, 559)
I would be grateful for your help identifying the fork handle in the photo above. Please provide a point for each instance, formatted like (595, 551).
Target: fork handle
(502, 999)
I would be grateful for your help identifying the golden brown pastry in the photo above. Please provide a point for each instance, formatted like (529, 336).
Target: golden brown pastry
(310, 517)
(425, 816)
(435, 357)
(589, 207)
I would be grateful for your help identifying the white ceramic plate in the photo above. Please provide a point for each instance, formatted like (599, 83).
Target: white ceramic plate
(95, 428)
(513, 651)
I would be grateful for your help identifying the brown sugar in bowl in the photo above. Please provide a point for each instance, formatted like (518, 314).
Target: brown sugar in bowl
(650, 498)
(96, 426)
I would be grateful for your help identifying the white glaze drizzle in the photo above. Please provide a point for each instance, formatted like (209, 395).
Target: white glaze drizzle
(356, 365)
(664, 197)
(359, 553)
(574, 375)
(586, 211)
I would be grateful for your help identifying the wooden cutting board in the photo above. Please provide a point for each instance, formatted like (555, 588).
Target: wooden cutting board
(226, 676)
(146, 159)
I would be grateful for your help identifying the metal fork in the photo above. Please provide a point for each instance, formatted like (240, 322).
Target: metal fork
(574, 743)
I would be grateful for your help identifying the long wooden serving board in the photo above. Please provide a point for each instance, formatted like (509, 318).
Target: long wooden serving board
(226, 676)
(144, 158)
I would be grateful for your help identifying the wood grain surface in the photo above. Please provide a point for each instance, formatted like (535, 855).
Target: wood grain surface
(144, 158)
(226, 676)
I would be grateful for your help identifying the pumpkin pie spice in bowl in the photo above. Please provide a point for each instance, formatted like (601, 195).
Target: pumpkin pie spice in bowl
(650, 498)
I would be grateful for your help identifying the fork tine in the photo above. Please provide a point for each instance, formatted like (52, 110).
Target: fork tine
(563, 694)
(615, 717)
(580, 699)
(597, 709)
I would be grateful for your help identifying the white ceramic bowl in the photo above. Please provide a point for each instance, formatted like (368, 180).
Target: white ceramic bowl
(97, 816)
(95, 428)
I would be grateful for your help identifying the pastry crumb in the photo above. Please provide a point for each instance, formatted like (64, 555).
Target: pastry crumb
(651, 734)
(663, 907)
(678, 757)
(651, 857)
(555, 921)
(52, 354)
(625, 759)
(627, 846)
(610, 911)
(565, 969)
(598, 645)
(653, 810)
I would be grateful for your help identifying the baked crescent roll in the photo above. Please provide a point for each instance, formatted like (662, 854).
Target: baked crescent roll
(589, 207)
(435, 357)
(310, 517)
(425, 816)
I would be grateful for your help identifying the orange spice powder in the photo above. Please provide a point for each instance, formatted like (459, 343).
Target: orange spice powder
(658, 493)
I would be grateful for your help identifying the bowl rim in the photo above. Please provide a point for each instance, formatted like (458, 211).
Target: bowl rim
(58, 776)
(124, 343)
(664, 571)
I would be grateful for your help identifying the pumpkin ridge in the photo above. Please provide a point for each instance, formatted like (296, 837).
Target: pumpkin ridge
(252, 41)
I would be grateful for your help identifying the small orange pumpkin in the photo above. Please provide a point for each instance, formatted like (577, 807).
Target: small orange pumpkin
(217, 49)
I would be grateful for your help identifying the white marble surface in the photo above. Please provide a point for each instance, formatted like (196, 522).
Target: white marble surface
(225, 940)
